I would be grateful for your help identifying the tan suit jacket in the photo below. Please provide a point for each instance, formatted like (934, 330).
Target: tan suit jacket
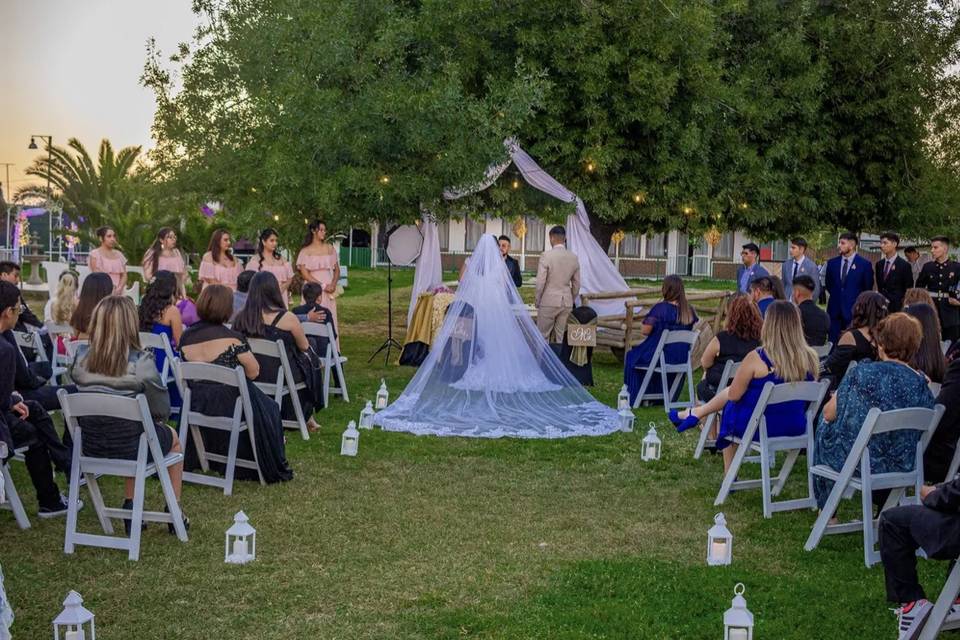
(558, 278)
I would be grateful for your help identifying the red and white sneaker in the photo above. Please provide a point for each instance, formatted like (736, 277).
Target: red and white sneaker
(910, 618)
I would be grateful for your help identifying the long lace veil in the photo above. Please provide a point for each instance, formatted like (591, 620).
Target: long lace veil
(490, 373)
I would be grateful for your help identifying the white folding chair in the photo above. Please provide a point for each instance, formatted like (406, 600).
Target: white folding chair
(11, 498)
(823, 350)
(60, 361)
(82, 272)
(812, 393)
(936, 622)
(53, 270)
(31, 340)
(82, 405)
(729, 371)
(934, 388)
(954, 464)
(332, 361)
(72, 347)
(192, 421)
(858, 460)
(160, 341)
(658, 364)
(133, 292)
(945, 346)
(284, 385)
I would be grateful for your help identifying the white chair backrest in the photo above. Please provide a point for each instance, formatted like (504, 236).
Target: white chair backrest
(159, 341)
(53, 271)
(72, 346)
(911, 419)
(58, 329)
(206, 372)
(31, 340)
(934, 388)
(810, 392)
(823, 350)
(317, 329)
(136, 409)
(133, 292)
(945, 346)
(675, 337)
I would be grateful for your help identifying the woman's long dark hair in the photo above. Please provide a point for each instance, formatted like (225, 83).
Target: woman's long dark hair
(157, 248)
(96, 287)
(869, 309)
(264, 297)
(264, 236)
(311, 230)
(160, 295)
(674, 291)
(214, 246)
(929, 357)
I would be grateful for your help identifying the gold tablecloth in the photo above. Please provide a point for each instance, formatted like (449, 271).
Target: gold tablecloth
(428, 317)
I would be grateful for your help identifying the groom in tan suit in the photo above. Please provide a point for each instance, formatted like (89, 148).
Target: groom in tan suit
(558, 284)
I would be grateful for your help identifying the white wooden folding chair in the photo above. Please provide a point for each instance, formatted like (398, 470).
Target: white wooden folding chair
(945, 346)
(934, 388)
(285, 384)
(658, 364)
(812, 393)
(937, 620)
(192, 421)
(11, 498)
(133, 292)
(72, 347)
(161, 342)
(31, 340)
(60, 361)
(823, 350)
(856, 475)
(82, 405)
(729, 371)
(331, 359)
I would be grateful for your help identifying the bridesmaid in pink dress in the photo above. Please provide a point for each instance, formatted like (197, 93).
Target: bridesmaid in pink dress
(267, 258)
(317, 262)
(218, 265)
(163, 255)
(109, 260)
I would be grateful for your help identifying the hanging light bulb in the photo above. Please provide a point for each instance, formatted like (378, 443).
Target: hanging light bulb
(640, 197)
(744, 205)
(590, 167)
(384, 179)
(516, 183)
(276, 217)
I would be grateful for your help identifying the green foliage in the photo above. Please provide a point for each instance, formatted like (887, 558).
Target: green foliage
(771, 117)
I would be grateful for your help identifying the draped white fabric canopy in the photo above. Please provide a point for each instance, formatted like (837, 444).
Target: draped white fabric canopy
(597, 271)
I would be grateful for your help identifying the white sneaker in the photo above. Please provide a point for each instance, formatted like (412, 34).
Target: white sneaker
(911, 617)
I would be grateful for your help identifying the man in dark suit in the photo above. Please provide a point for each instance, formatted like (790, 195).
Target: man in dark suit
(848, 275)
(10, 272)
(941, 278)
(892, 273)
(815, 321)
(512, 265)
(751, 267)
(934, 527)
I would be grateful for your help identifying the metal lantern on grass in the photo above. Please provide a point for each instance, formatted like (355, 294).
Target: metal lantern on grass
(626, 420)
(719, 542)
(737, 620)
(382, 395)
(623, 398)
(74, 622)
(350, 441)
(650, 449)
(241, 545)
(366, 416)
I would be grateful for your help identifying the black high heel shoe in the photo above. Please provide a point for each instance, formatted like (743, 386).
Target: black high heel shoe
(127, 525)
(186, 522)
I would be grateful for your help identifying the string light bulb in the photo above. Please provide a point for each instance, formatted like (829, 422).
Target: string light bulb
(516, 183)
(276, 217)
(384, 179)
(687, 211)
(590, 167)
(640, 197)
(744, 205)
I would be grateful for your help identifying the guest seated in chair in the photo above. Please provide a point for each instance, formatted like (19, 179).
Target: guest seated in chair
(784, 357)
(859, 341)
(210, 341)
(114, 363)
(934, 527)
(159, 315)
(761, 290)
(815, 321)
(673, 313)
(943, 444)
(888, 384)
(929, 357)
(740, 336)
(10, 272)
(311, 311)
(96, 287)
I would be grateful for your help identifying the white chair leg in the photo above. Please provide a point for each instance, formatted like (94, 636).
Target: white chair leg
(704, 435)
(343, 380)
(870, 555)
(231, 462)
(16, 505)
(766, 481)
(136, 518)
(298, 412)
(785, 470)
(731, 473)
(173, 506)
(96, 498)
(73, 495)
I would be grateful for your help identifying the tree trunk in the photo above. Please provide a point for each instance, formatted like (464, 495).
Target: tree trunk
(601, 231)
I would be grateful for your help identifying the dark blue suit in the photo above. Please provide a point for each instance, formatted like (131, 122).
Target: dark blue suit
(844, 294)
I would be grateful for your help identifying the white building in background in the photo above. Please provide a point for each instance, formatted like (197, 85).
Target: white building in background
(646, 255)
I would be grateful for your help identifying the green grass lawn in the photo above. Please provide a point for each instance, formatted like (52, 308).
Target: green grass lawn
(423, 537)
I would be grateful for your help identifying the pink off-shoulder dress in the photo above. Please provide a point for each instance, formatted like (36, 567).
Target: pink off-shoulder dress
(283, 272)
(114, 267)
(221, 274)
(322, 268)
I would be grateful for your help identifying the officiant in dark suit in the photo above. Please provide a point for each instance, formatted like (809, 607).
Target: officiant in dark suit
(512, 265)
(848, 275)
(892, 273)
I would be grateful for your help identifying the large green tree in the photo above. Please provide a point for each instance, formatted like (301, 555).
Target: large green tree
(773, 117)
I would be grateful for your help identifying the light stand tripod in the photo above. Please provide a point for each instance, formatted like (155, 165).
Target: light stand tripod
(390, 342)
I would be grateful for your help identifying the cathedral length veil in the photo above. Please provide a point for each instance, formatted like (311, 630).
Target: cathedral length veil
(490, 373)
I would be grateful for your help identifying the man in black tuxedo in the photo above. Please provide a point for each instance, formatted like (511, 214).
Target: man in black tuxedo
(813, 319)
(512, 265)
(893, 274)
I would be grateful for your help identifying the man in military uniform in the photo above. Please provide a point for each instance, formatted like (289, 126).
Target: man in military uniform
(941, 277)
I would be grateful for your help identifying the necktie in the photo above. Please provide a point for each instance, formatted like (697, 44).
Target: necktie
(886, 269)
(844, 270)
(795, 267)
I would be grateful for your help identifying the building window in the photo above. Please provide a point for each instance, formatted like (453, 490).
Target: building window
(474, 231)
(656, 245)
(776, 251)
(443, 234)
(534, 239)
(630, 246)
(724, 248)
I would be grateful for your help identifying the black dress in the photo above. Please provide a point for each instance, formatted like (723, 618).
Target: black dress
(733, 348)
(836, 364)
(311, 398)
(214, 399)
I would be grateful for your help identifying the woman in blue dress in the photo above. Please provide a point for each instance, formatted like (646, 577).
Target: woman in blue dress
(673, 313)
(784, 357)
(159, 314)
(888, 384)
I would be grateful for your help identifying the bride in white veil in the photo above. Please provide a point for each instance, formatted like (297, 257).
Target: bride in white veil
(490, 373)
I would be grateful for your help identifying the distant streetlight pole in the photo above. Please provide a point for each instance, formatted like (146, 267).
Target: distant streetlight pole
(6, 198)
(33, 146)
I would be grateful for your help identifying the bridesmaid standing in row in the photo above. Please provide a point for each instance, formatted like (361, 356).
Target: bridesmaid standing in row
(109, 260)
(218, 265)
(268, 258)
(317, 262)
(163, 255)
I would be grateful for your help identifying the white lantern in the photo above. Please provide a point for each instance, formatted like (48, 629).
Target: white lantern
(719, 542)
(366, 416)
(350, 441)
(74, 621)
(626, 420)
(737, 620)
(650, 447)
(241, 546)
(623, 398)
(382, 395)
